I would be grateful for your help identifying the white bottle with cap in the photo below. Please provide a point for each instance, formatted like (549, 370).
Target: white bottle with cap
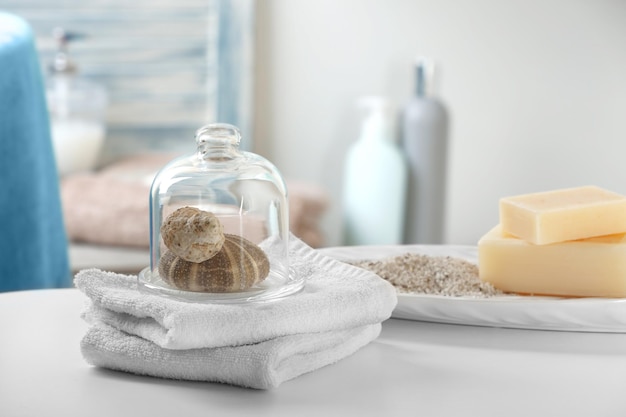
(374, 181)
(425, 142)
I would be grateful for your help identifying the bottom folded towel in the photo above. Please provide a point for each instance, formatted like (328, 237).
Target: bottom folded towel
(260, 365)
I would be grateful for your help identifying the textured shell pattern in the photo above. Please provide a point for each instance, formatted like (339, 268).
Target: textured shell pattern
(239, 265)
(193, 234)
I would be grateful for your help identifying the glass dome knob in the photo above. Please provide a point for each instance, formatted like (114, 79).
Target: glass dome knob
(218, 134)
(218, 142)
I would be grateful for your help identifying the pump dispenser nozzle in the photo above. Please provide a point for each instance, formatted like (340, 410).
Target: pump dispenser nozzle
(377, 122)
(424, 73)
(62, 63)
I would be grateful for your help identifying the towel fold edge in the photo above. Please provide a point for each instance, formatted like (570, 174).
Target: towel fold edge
(263, 365)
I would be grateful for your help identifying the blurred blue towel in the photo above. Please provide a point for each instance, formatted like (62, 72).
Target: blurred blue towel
(33, 244)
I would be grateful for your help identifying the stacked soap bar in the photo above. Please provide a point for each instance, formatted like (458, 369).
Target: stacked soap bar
(563, 215)
(568, 242)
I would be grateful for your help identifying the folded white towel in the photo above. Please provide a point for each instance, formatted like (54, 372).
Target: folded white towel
(336, 296)
(262, 365)
(257, 345)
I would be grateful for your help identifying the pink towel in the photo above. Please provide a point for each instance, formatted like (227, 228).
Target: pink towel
(111, 207)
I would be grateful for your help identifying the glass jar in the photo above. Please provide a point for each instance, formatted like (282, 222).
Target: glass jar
(77, 109)
(219, 225)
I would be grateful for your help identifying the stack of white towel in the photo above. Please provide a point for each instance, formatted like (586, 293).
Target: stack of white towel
(256, 345)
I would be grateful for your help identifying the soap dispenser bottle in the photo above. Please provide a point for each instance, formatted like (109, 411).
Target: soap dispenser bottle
(77, 110)
(425, 143)
(374, 180)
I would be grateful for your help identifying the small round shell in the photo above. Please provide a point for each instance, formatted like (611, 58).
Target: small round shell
(239, 265)
(193, 234)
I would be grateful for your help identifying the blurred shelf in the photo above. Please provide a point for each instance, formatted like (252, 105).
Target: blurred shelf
(126, 260)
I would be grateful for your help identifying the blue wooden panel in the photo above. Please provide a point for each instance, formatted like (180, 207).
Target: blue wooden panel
(170, 66)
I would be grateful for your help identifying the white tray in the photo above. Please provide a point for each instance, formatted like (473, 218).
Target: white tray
(542, 313)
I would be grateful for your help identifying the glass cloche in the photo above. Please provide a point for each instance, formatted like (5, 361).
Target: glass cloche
(219, 225)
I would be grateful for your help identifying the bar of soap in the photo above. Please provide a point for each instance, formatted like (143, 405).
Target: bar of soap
(594, 267)
(562, 215)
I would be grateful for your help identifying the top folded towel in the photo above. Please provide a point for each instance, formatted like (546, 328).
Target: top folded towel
(336, 296)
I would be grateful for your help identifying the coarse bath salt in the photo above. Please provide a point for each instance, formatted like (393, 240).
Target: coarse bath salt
(424, 274)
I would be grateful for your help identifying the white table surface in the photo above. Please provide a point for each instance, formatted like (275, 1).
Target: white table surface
(412, 369)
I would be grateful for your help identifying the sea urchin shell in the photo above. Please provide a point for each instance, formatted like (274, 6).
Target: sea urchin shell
(239, 265)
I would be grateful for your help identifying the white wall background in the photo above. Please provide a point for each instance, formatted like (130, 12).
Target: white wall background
(536, 91)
